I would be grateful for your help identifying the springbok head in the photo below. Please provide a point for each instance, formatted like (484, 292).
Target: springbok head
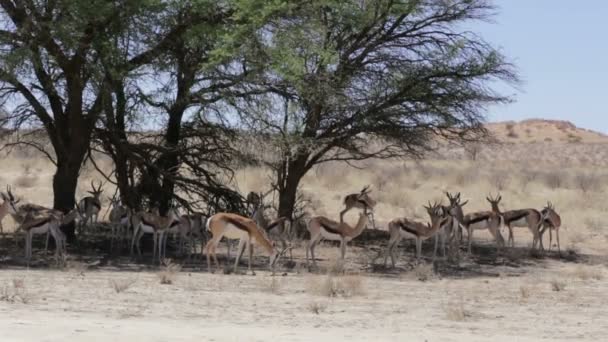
(494, 202)
(96, 191)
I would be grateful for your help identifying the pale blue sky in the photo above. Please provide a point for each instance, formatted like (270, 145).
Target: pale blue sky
(561, 50)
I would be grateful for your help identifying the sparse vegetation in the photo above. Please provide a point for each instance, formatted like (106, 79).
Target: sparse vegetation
(317, 307)
(337, 286)
(121, 285)
(455, 311)
(15, 292)
(558, 285)
(168, 272)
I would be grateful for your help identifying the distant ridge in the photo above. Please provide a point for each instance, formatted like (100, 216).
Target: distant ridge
(544, 130)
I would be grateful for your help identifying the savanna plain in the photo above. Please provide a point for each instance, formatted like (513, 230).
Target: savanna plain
(506, 295)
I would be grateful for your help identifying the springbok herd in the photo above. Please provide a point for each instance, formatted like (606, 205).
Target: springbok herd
(447, 223)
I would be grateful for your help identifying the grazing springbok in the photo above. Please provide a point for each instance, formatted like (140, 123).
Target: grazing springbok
(360, 200)
(552, 221)
(236, 227)
(320, 227)
(276, 229)
(489, 220)
(89, 206)
(525, 218)
(404, 228)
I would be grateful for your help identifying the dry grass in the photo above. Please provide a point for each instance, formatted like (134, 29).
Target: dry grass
(337, 286)
(169, 272)
(524, 293)
(557, 285)
(587, 273)
(317, 307)
(455, 311)
(15, 292)
(121, 285)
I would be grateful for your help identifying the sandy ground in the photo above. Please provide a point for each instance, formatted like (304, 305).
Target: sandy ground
(514, 301)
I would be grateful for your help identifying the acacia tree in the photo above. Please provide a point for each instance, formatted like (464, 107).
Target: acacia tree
(50, 73)
(370, 79)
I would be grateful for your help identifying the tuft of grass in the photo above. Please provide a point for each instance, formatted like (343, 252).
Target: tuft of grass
(77, 267)
(15, 292)
(333, 286)
(524, 292)
(317, 307)
(274, 286)
(455, 311)
(121, 285)
(424, 272)
(557, 285)
(169, 272)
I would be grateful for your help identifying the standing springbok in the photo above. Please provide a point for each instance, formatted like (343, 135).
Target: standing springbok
(320, 227)
(151, 223)
(119, 218)
(530, 218)
(456, 212)
(47, 224)
(233, 226)
(8, 207)
(490, 220)
(404, 228)
(552, 221)
(360, 200)
(90, 206)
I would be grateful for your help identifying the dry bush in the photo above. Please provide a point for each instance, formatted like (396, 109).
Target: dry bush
(554, 179)
(121, 285)
(424, 272)
(77, 267)
(528, 176)
(577, 238)
(587, 182)
(26, 181)
(455, 311)
(557, 285)
(317, 307)
(16, 292)
(168, 272)
(333, 286)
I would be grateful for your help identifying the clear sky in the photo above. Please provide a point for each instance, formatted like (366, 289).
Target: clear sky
(561, 50)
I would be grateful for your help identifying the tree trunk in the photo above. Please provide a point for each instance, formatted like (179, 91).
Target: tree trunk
(288, 185)
(65, 181)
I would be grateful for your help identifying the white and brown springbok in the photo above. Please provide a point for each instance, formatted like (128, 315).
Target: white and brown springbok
(552, 221)
(151, 223)
(489, 220)
(47, 224)
(320, 227)
(237, 227)
(90, 206)
(360, 200)
(119, 218)
(8, 207)
(404, 228)
(456, 212)
(524, 218)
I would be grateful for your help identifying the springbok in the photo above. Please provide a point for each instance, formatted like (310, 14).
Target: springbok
(552, 221)
(90, 206)
(151, 223)
(360, 200)
(8, 207)
(119, 218)
(320, 227)
(47, 224)
(456, 211)
(404, 228)
(525, 218)
(490, 220)
(233, 226)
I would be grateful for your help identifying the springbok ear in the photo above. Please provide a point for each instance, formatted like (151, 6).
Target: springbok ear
(499, 198)
(464, 203)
